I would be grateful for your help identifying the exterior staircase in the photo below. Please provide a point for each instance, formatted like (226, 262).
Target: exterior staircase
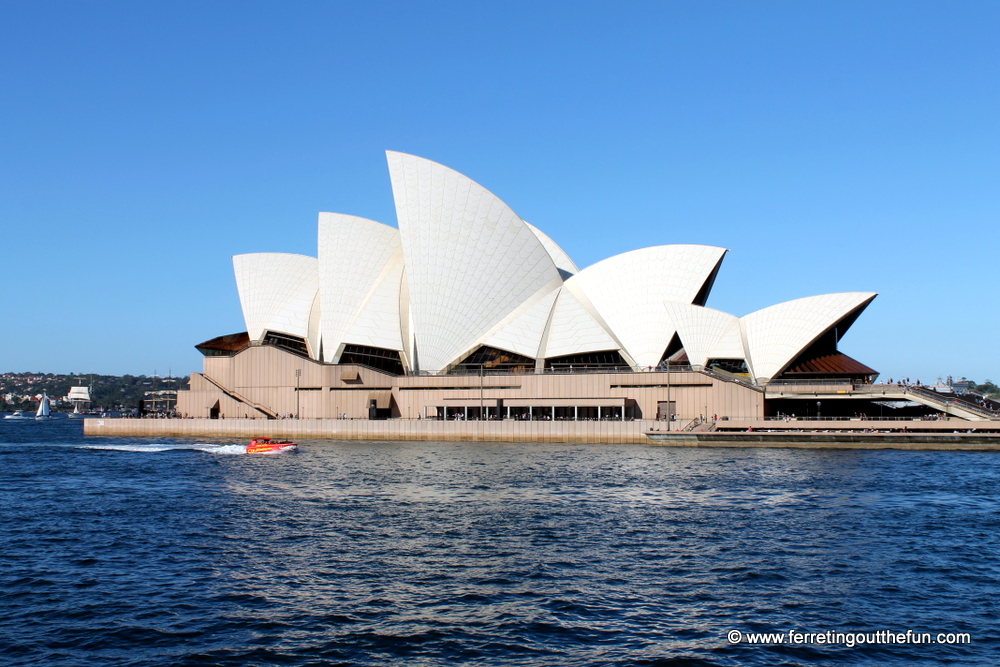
(946, 403)
(271, 414)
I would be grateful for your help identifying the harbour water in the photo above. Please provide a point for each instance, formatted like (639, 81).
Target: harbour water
(183, 552)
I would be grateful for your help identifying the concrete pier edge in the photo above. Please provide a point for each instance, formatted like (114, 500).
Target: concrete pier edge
(582, 432)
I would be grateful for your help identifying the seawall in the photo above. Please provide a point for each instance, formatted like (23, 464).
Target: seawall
(936, 435)
(596, 432)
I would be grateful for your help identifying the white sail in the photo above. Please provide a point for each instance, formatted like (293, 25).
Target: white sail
(43, 407)
(78, 394)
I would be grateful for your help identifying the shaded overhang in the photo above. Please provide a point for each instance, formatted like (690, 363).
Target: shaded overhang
(837, 363)
(228, 344)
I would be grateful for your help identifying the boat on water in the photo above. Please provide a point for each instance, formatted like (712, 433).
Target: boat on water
(17, 414)
(268, 446)
(78, 396)
(44, 411)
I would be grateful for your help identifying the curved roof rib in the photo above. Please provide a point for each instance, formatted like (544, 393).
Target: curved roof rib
(470, 260)
(277, 293)
(355, 256)
(776, 335)
(703, 332)
(562, 261)
(628, 290)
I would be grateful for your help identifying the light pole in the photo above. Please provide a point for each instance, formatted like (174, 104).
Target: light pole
(480, 392)
(818, 404)
(298, 374)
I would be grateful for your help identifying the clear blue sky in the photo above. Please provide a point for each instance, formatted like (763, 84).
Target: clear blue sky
(839, 146)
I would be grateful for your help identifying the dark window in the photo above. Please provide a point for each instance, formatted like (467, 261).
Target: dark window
(490, 359)
(675, 356)
(286, 342)
(736, 366)
(607, 360)
(379, 358)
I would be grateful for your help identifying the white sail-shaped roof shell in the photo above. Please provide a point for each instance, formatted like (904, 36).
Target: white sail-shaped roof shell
(703, 332)
(360, 262)
(315, 335)
(278, 293)
(575, 330)
(776, 335)
(523, 332)
(463, 270)
(628, 291)
(470, 260)
(378, 322)
(730, 345)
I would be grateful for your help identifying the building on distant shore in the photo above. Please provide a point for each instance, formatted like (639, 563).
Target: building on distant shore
(466, 311)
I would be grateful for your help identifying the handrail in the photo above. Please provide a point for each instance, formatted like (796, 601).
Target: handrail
(242, 399)
(727, 377)
(695, 423)
(371, 368)
(530, 370)
(952, 401)
(955, 401)
(799, 383)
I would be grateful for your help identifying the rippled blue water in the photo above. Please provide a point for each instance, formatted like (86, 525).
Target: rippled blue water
(349, 553)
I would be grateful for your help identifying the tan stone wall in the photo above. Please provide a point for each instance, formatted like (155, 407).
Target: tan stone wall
(266, 375)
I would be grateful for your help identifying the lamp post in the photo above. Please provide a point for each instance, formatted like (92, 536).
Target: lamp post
(298, 374)
(670, 410)
(818, 404)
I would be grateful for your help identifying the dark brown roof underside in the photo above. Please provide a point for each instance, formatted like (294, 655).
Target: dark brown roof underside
(830, 364)
(230, 343)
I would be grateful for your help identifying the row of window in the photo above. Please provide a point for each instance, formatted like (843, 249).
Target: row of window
(526, 413)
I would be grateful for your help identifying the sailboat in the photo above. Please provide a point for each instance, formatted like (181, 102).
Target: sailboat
(77, 396)
(43, 407)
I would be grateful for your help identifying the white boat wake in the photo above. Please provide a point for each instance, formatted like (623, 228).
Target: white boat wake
(207, 447)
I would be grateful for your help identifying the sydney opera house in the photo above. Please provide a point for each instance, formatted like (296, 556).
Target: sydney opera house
(465, 311)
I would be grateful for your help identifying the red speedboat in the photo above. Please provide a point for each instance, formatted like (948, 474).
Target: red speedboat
(268, 446)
